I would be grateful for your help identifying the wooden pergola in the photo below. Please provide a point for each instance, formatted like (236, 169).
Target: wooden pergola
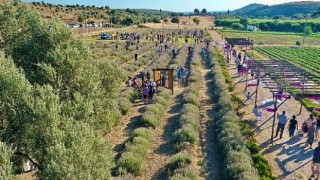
(164, 77)
(282, 79)
(239, 41)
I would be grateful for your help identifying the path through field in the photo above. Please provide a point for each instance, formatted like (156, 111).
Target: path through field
(211, 165)
(289, 159)
(162, 148)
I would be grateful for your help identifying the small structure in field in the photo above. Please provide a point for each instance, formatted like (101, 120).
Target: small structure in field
(251, 28)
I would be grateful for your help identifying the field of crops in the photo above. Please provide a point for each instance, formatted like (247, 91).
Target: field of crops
(271, 38)
(304, 57)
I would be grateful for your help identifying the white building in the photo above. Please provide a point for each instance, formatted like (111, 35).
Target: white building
(251, 28)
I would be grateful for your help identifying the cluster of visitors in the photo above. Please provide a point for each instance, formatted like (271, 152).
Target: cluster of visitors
(148, 90)
(310, 128)
(132, 82)
(181, 75)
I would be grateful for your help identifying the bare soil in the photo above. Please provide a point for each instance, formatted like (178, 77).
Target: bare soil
(211, 162)
(162, 149)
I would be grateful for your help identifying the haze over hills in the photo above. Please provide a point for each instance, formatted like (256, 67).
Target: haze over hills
(286, 9)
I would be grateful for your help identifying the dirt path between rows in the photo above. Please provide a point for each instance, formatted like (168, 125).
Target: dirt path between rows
(211, 167)
(289, 159)
(162, 150)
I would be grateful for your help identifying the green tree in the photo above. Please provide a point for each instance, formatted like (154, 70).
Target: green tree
(81, 18)
(127, 21)
(316, 13)
(237, 26)
(55, 99)
(204, 11)
(166, 20)
(196, 20)
(5, 168)
(244, 22)
(156, 20)
(308, 30)
(175, 20)
(196, 11)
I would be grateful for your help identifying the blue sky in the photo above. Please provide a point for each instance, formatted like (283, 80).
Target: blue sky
(171, 5)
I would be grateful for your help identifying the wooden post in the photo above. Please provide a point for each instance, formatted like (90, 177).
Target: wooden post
(274, 116)
(170, 83)
(258, 82)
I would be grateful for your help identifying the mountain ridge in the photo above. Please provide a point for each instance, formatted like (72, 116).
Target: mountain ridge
(286, 9)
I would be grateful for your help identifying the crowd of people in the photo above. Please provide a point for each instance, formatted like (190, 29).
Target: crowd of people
(241, 62)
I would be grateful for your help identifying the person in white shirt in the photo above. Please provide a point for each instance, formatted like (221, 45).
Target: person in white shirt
(309, 121)
(281, 123)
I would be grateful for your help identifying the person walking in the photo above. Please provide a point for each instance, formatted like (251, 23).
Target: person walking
(318, 128)
(293, 125)
(257, 113)
(150, 88)
(310, 120)
(311, 135)
(145, 93)
(281, 124)
(179, 74)
(163, 80)
(136, 56)
(315, 166)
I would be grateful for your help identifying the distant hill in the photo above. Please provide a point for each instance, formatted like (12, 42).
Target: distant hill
(247, 8)
(286, 9)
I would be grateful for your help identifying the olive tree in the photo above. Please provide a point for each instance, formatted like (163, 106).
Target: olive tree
(50, 54)
(55, 100)
(5, 168)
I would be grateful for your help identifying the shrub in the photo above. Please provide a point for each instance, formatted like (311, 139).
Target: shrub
(237, 161)
(150, 119)
(129, 94)
(124, 105)
(157, 109)
(175, 20)
(184, 135)
(143, 132)
(262, 166)
(179, 161)
(192, 99)
(180, 168)
(184, 173)
(131, 160)
(193, 89)
(130, 163)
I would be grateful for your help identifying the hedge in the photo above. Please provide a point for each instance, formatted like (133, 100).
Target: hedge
(237, 160)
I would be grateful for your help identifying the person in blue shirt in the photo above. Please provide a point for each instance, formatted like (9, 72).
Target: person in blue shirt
(315, 166)
(179, 75)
